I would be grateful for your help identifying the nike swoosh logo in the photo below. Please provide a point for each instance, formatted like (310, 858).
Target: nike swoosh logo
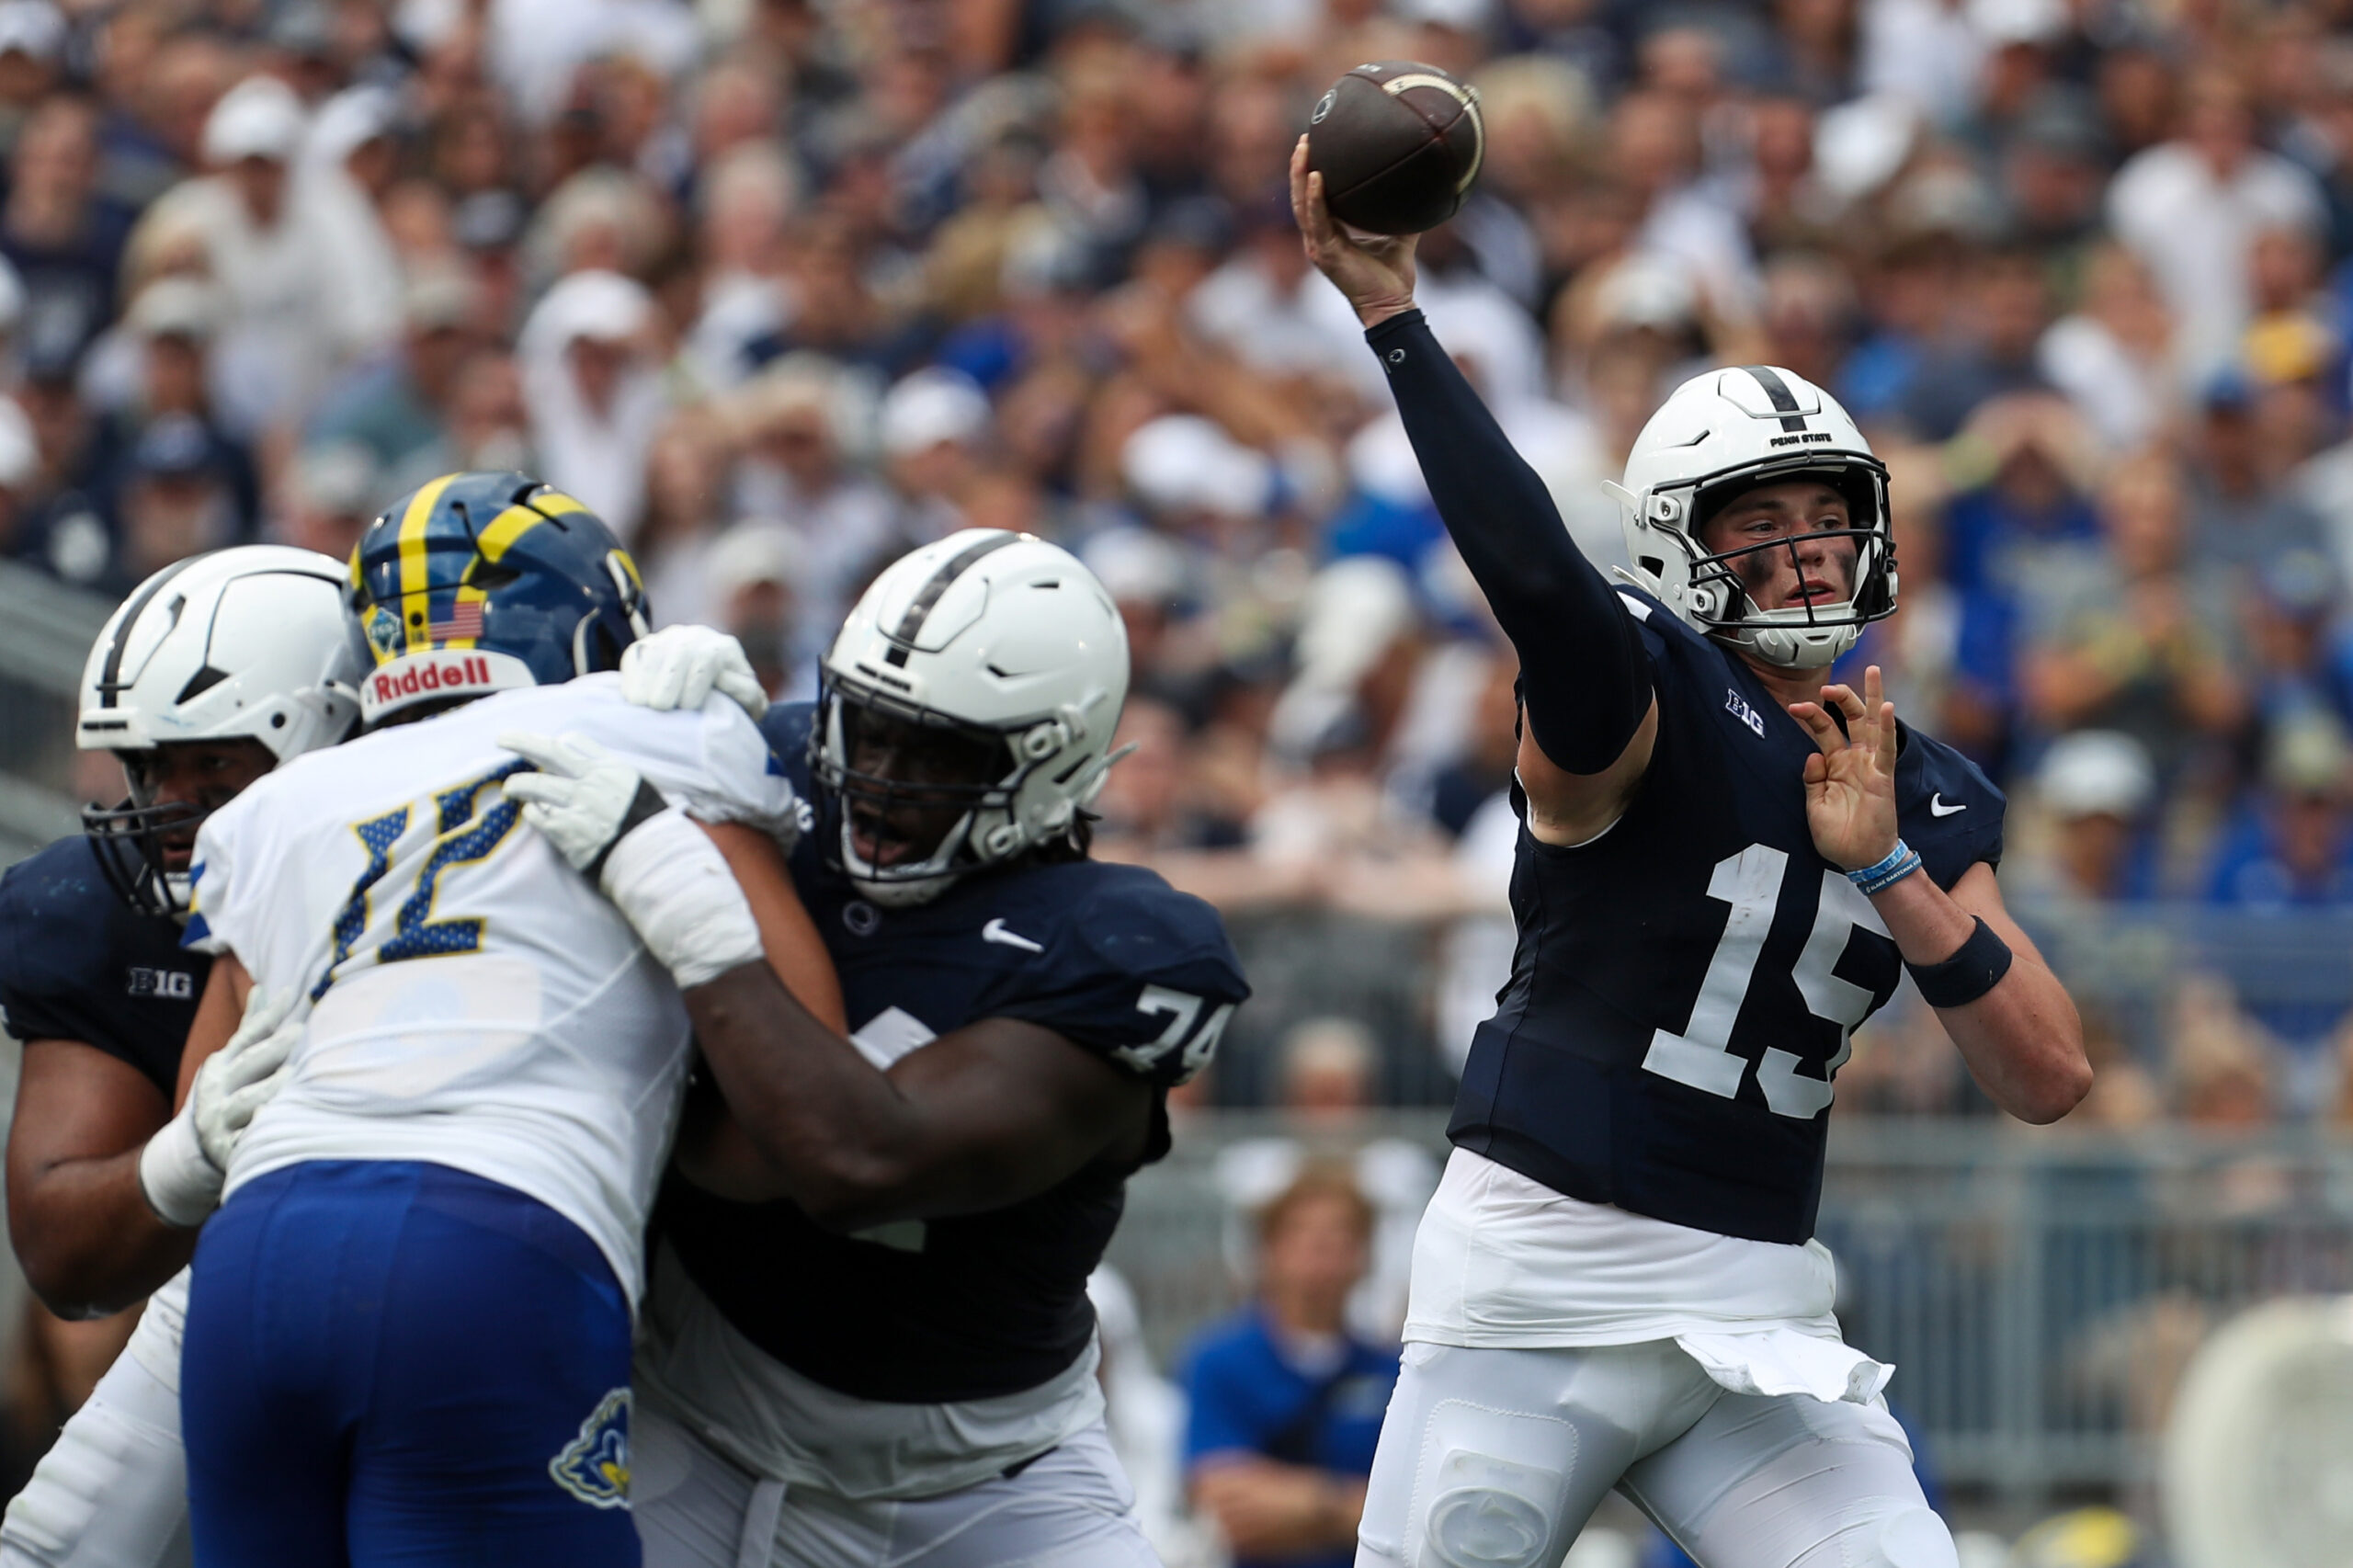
(1936, 807)
(995, 931)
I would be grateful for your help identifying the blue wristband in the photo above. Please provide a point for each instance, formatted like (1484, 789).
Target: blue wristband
(1899, 863)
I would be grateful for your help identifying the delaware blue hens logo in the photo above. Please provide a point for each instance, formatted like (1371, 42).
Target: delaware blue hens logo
(594, 1466)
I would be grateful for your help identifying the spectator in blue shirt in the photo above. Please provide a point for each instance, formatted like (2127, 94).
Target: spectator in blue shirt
(1286, 1405)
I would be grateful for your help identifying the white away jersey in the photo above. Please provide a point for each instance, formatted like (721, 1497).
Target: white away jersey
(475, 1003)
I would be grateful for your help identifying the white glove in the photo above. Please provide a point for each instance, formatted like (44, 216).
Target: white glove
(182, 1168)
(662, 872)
(583, 798)
(681, 665)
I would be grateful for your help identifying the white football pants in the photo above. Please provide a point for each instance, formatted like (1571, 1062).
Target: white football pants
(1071, 1508)
(112, 1492)
(1496, 1459)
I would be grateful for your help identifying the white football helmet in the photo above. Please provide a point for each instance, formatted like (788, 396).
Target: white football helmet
(1728, 431)
(996, 665)
(249, 643)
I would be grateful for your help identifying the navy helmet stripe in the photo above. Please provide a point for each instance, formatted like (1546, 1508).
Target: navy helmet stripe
(919, 611)
(1779, 391)
(109, 678)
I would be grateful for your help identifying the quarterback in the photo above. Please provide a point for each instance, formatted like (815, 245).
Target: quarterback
(409, 1323)
(1724, 865)
(215, 671)
(869, 1341)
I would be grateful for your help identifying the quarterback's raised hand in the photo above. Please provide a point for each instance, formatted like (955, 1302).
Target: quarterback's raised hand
(1375, 271)
(184, 1166)
(678, 667)
(1850, 780)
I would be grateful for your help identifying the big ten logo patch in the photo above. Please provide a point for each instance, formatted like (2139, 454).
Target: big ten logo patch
(173, 984)
(594, 1466)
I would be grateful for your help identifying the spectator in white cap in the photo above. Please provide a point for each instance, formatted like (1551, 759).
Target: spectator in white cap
(935, 428)
(273, 259)
(2098, 787)
(333, 492)
(32, 44)
(398, 404)
(594, 391)
(792, 425)
(19, 476)
(755, 571)
(172, 324)
(347, 163)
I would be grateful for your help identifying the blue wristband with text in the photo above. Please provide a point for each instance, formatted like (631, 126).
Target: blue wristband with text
(1899, 863)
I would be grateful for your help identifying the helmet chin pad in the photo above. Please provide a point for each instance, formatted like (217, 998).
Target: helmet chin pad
(1795, 647)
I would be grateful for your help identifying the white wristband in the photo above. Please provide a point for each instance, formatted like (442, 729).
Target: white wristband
(181, 1185)
(672, 882)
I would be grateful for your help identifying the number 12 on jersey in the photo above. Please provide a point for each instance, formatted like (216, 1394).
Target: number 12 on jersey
(463, 832)
(1701, 1056)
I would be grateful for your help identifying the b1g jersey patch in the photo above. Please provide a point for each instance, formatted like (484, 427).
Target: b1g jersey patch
(1684, 986)
(1109, 957)
(77, 963)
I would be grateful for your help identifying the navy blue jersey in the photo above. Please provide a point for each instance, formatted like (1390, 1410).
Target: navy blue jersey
(77, 963)
(1685, 985)
(1108, 957)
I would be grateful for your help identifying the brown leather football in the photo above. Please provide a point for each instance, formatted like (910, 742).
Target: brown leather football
(1398, 144)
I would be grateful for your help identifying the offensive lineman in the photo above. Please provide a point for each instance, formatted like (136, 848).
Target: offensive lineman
(408, 1327)
(1616, 1283)
(893, 1359)
(213, 672)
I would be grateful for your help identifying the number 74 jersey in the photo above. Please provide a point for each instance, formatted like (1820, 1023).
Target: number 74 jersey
(474, 1002)
(1684, 986)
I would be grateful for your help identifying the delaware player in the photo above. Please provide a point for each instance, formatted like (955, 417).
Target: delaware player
(1616, 1284)
(892, 1358)
(213, 672)
(408, 1326)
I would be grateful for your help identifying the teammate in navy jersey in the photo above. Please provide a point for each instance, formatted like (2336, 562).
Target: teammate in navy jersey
(1724, 865)
(210, 674)
(868, 1337)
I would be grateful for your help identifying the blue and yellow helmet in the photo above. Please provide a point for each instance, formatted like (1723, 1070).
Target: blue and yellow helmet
(478, 582)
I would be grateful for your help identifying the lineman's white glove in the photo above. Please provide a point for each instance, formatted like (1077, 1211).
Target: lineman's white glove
(182, 1168)
(662, 872)
(681, 665)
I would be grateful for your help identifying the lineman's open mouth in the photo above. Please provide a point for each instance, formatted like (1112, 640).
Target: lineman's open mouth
(881, 838)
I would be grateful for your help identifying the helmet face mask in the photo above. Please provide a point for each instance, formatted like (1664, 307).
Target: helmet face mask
(909, 786)
(1722, 436)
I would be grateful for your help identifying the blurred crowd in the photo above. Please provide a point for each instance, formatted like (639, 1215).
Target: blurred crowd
(783, 287)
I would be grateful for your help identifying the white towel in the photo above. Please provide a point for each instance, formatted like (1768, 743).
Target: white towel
(1782, 1361)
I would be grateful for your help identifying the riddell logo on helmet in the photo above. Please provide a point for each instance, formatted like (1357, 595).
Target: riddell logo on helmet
(463, 674)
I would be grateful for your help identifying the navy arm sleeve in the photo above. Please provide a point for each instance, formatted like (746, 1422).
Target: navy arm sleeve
(1585, 676)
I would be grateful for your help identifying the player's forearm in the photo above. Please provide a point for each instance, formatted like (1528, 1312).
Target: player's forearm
(1583, 675)
(838, 1134)
(2022, 1040)
(88, 1242)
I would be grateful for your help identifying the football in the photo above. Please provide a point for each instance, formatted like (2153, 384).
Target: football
(1398, 144)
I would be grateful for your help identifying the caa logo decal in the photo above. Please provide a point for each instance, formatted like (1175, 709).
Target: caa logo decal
(467, 674)
(177, 985)
(384, 632)
(594, 1466)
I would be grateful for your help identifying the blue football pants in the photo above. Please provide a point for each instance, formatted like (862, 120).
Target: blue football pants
(390, 1362)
